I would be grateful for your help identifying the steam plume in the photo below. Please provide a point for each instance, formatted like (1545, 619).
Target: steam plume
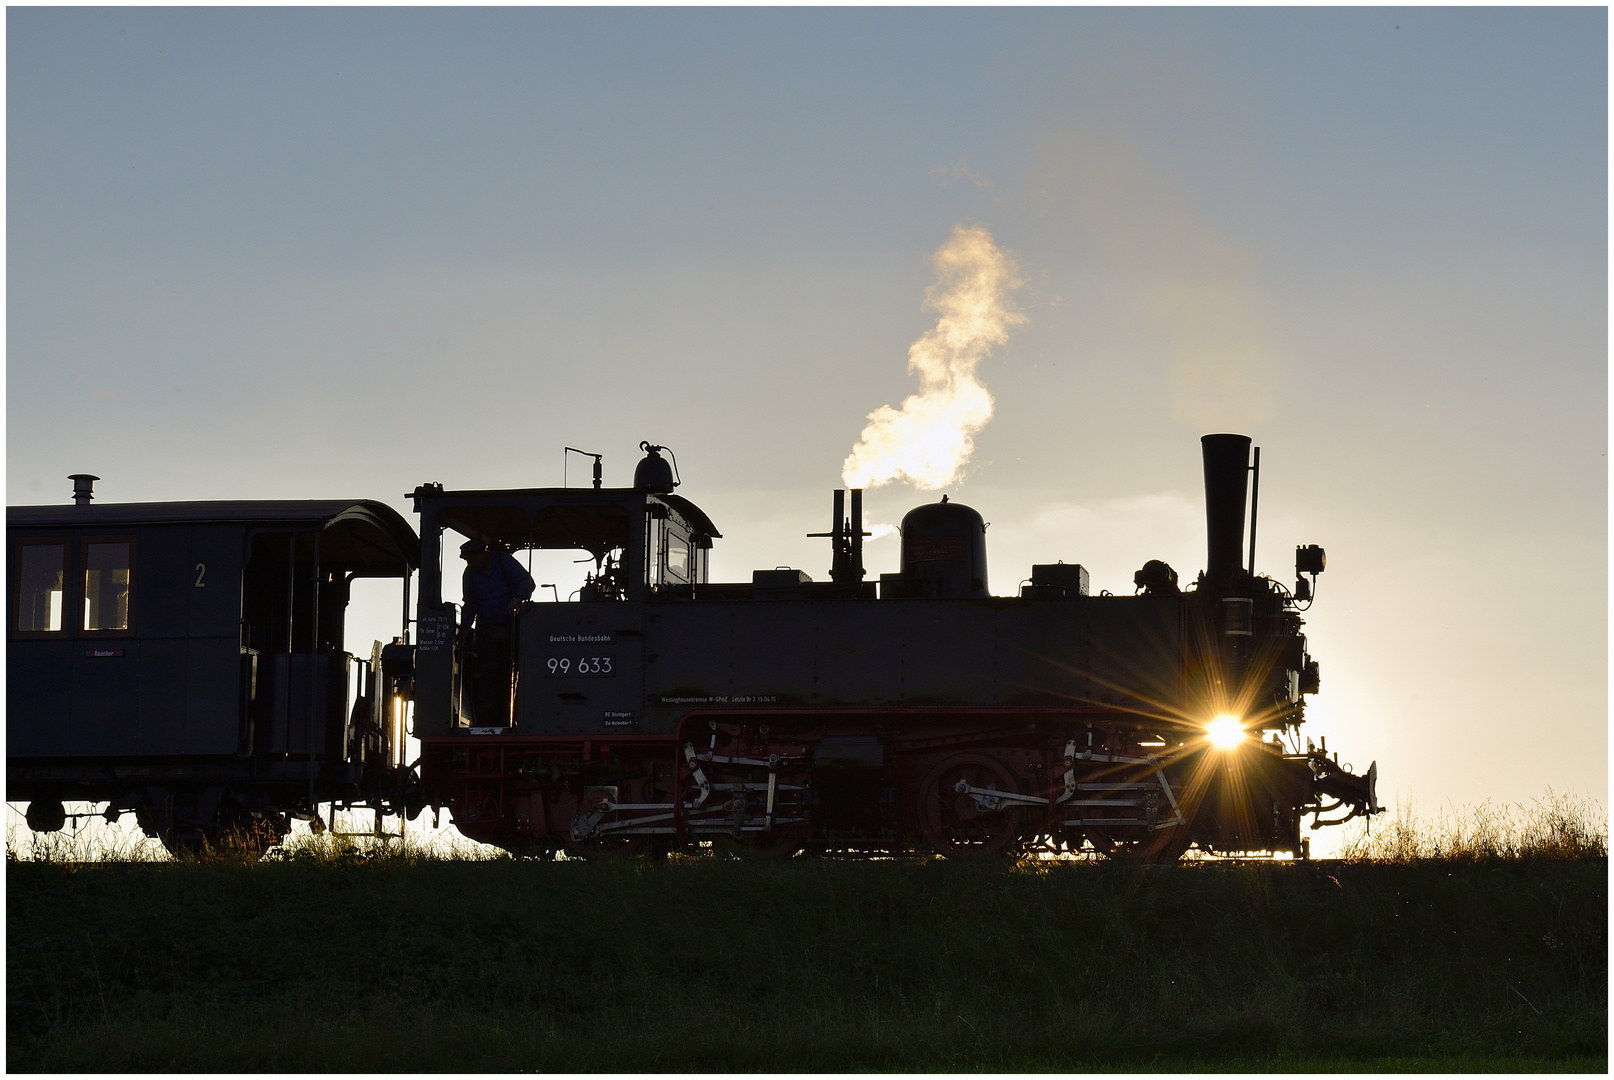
(929, 439)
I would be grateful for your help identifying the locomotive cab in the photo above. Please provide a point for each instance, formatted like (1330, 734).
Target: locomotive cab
(644, 544)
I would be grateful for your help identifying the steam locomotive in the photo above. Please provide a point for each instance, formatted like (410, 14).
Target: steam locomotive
(659, 709)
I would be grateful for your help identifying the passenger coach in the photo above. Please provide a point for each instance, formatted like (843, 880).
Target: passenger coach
(185, 660)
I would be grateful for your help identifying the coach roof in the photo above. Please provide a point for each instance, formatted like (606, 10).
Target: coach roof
(374, 527)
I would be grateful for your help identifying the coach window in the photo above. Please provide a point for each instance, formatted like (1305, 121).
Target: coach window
(106, 584)
(41, 578)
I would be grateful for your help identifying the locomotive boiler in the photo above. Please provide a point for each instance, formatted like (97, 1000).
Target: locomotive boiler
(660, 708)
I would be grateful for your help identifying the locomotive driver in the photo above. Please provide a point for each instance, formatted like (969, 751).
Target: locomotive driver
(494, 586)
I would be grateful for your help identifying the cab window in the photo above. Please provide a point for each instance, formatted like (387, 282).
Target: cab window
(678, 561)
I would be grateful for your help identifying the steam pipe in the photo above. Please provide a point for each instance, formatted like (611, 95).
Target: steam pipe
(857, 535)
(408, 575)
(1255, 501)
(840, 564)
(846, 539)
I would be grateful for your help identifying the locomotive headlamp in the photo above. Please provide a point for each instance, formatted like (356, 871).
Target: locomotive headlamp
(1225, 731)
(1310, 559)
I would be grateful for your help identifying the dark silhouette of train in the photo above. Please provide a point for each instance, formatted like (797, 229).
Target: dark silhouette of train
(184, 661)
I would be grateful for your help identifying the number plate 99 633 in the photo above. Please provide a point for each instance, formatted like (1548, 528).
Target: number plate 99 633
(572, 667)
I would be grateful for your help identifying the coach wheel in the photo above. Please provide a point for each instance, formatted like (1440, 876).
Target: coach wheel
(252, 832)
(246, 838)
(202, 823)
(46, 815)
(956, 823)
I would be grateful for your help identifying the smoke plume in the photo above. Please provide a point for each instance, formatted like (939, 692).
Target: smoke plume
(929, 440)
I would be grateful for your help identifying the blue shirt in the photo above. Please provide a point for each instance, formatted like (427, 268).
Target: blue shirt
(487, 596)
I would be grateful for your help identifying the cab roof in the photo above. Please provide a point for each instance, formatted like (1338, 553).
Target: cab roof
(594, 519)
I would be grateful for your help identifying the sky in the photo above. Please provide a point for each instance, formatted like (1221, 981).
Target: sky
(298, 253)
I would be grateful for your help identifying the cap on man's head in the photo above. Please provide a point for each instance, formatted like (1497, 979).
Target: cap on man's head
(472, 547)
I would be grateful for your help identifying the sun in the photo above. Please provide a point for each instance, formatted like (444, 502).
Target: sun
(1225, 731)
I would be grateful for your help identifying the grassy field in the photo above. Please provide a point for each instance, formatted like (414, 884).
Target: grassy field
(331, 961)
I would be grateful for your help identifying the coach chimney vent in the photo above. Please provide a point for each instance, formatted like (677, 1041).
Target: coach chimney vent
(83, 488)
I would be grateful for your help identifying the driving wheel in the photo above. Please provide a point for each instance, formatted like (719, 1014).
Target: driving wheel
(966, 823)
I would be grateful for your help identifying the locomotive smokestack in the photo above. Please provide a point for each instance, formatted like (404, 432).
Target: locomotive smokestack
(1227, 476)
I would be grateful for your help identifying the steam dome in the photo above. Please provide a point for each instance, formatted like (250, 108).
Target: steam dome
(944, 551)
